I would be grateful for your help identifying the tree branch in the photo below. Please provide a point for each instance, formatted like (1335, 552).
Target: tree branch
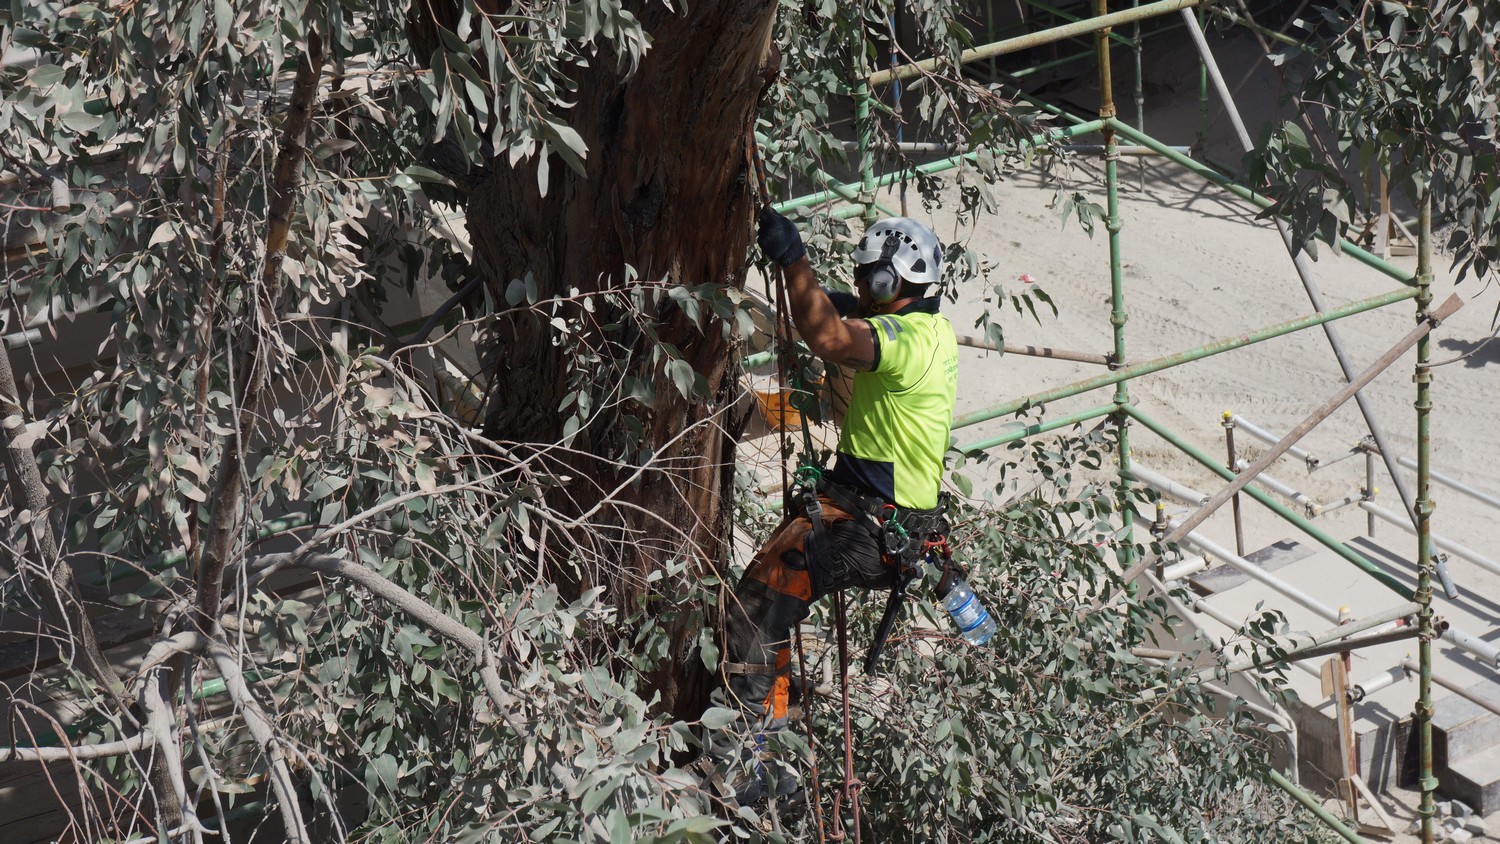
(506, 704)
(123, 747)
(61, 602)
(264, 732)
(228, 489)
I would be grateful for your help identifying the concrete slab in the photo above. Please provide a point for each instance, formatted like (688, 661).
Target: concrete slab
(1475, 780)
(1461, 727)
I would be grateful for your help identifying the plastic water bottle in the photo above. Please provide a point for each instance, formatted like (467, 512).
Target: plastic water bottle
(968, 613)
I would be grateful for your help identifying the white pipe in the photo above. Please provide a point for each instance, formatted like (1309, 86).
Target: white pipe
(1201, 605)
(22, 338)
(1448, 545)
(1360, 691)
(1309, 507)
(1276, 712)
(1213, 549)
(1166, 486)
(1277, 715)
(1340, 504)
(1473, 644)
(1186, 568)
(1269, 438)
(1446, 481)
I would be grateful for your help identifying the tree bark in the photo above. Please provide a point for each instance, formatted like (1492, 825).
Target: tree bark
(667, 190)
(229, 484)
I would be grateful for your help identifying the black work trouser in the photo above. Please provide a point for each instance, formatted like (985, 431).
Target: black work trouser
(777, 592)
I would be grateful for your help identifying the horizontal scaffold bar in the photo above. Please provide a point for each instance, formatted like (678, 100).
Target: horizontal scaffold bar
(1188, 356)
(1040, 427)
(1037, 39)
(1223, 181)
(928, 169)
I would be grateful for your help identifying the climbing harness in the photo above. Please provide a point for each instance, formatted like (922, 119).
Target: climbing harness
(804, 488)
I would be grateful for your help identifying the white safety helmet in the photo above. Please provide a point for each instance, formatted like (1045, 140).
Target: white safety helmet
(896, 249)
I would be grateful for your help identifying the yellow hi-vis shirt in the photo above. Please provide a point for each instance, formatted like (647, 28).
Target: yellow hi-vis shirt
(896, 429)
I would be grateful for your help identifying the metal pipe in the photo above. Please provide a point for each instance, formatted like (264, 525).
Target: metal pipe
(1324, 463)
(1314, 295)
(1307, 527)
(1186, 568)
(1336, 634)
(1269, 438)
(1310, 508)
(1353, 498)
(1457, 486)
(1197, 353)
(1370, 491)
(912, 146)
(1130, 150)
(1455, 688)
(1201, 605)
(1036, 39)
(1202, 105)
(1444, 543)
(1233, 18)
(1347, 247)
(1033, 351)
(1140, 84)
(1239, 524)
(1033, 429)
(1333, 403)
(1053, 10)
(1207, 546)
(842, 190)
(928, 169)
(1360, 691)
(1466, 641)
(1182, 612)
(21, 339)
(1118, 315)
(1166, 486)
(1316, 807)
(1357, 642)
(1422, 515)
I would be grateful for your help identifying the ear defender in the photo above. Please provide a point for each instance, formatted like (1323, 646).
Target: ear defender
(883, 279)
(884, 283)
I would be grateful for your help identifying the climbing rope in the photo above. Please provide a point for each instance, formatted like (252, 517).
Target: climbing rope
(806, 477)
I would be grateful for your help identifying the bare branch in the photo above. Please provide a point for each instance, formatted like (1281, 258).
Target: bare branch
(161, 721)
(61, 600)
(123, 747)
(264, 733)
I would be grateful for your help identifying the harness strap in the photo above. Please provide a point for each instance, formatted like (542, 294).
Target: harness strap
(768, 669)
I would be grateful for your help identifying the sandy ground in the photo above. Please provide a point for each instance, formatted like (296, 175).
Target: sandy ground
(1199, 267)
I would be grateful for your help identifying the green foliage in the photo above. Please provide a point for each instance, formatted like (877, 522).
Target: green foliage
(167, 121)
(1410, 89)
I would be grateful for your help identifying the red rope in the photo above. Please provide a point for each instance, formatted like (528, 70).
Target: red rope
(850, 789)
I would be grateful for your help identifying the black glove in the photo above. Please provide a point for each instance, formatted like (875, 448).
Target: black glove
(779, 239)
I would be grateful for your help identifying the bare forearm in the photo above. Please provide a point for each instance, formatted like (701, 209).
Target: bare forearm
(818, 322)
(812, 311)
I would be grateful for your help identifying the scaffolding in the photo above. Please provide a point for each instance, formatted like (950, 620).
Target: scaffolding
(1121, 412)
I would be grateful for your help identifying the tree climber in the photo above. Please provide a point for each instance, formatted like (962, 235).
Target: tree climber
(889, 463)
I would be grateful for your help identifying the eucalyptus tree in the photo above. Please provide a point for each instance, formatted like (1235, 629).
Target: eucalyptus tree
(496, 625)
(1404, 91)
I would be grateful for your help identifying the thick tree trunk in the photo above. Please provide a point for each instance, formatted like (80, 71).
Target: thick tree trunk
(668, 191)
